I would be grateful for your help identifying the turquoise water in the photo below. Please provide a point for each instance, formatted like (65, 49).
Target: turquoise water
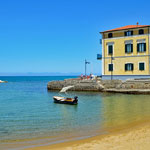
(27, 111)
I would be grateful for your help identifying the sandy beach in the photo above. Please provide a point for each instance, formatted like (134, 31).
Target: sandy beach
(135, 137)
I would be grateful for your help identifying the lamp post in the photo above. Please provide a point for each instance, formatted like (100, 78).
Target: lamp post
(86, 62)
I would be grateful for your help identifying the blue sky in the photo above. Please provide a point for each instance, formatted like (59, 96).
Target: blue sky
(57, 35)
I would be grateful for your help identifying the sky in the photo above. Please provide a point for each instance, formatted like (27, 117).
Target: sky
(56, 36)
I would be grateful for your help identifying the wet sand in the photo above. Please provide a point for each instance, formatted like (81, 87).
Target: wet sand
(133, 137)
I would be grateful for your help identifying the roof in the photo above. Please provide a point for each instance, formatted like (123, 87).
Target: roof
(127, 27)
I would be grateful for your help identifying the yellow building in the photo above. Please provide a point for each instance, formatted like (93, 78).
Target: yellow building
(126, 53)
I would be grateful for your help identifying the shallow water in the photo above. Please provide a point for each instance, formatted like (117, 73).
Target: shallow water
(27, 111)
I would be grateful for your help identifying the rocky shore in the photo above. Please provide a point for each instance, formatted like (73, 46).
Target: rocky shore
(137, 86)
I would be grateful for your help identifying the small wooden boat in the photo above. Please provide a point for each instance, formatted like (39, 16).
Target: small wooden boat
(65, 100)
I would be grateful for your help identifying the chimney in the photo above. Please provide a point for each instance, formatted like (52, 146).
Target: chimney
(137, 23)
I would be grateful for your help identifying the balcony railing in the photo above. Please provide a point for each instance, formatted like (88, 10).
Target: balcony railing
(99, 56)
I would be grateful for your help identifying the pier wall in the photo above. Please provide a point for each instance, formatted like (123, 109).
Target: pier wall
(129, 86)
(135, 84)
(83, 85)
(79, 85)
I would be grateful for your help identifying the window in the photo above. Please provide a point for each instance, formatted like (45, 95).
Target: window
(141, 31)
(128, 33)
(110, 49)
(110, 35)
(128, 48)
(110, 67)
(141, 66)
(129, 67)
(141, 47)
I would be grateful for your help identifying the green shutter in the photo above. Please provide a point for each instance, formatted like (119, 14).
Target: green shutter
(110, 67)
(125, 67)
(131, 48)
(125, 33)
(132, 67)
(141, 31)
(126, 48)
(144, 47)
(138, 47)
(110, 35)
(110, 49)
(141, 66)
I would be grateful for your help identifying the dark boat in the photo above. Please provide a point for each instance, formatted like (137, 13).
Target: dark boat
(65, 100)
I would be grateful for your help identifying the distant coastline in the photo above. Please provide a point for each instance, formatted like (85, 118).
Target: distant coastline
(40, 74)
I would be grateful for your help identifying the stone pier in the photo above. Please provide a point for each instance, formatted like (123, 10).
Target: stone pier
(134, 86)
(83, 85)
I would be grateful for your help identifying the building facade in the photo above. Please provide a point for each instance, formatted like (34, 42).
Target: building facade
(126, 52)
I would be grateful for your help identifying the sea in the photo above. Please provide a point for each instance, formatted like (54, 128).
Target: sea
(28, 115)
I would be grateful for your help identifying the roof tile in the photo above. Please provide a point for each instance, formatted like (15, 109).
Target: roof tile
(127, 27)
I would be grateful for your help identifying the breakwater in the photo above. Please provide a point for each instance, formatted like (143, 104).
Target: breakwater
(138, 86)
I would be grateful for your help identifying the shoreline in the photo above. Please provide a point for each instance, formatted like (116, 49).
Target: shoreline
(136, 135)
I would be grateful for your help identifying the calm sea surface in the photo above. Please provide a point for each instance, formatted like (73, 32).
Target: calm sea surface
(27, 111)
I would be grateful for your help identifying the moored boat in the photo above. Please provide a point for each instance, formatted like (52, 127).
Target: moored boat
(65, 100)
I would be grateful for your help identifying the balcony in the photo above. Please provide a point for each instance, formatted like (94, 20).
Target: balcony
(99, 56)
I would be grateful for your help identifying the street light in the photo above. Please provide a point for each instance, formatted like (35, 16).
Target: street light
(86, 62)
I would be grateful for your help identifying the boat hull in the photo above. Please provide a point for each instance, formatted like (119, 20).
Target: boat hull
(63, 101)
